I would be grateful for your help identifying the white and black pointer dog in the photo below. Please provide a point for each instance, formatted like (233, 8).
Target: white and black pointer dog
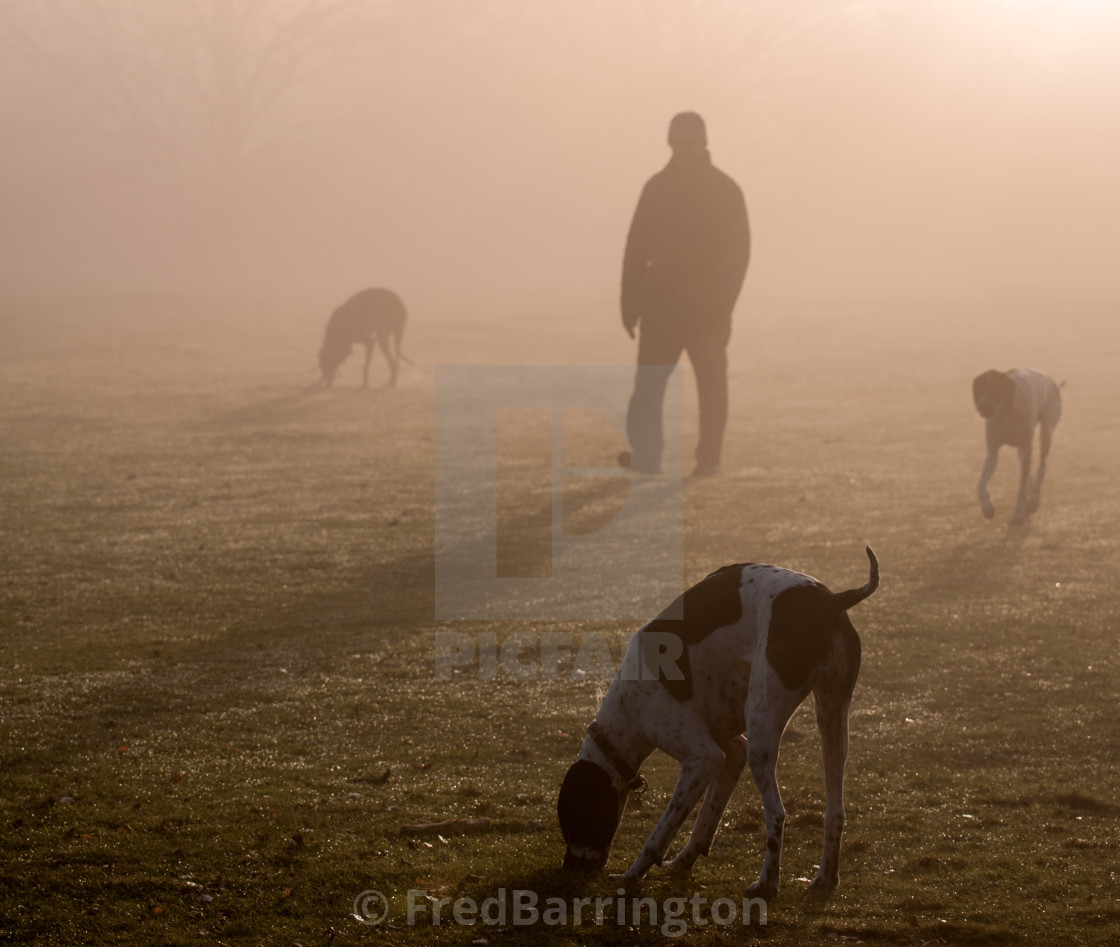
(372, 312)
(1013, 403)
(713, 681)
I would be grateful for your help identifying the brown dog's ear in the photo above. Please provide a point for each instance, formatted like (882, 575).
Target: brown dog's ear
(981, 383)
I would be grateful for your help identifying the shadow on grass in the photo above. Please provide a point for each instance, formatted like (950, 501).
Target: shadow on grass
(376, 602)
(291, 406)
(985, 562)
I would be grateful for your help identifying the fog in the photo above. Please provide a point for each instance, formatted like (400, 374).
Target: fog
(490, 154)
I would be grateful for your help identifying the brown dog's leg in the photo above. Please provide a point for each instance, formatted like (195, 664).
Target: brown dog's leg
(1049, 420)
(1019, 516)
(990, 462)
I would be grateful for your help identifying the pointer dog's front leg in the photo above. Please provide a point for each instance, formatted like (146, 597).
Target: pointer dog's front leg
(715, 802)
(697, 772)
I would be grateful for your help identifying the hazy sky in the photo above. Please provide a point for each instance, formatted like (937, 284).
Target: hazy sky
(493, 150)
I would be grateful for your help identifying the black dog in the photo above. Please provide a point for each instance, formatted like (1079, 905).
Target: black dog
(371, 312)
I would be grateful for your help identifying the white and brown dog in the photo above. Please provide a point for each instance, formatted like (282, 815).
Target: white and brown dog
(713, 681)
(1013, 403)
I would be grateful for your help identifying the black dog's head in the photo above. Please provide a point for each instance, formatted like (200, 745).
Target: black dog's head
(992, 393)
(330, 358)
(590, 810)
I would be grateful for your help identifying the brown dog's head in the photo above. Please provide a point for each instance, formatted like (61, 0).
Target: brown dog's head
(992, 393)
(590, 810)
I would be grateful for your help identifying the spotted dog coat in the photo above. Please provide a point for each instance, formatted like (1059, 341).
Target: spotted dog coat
(1012, 404)
(713, 681)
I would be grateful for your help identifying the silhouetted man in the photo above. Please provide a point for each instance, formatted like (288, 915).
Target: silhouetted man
(686, 257)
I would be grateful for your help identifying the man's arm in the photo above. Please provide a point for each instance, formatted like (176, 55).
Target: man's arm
(737, 241)
(635, 263)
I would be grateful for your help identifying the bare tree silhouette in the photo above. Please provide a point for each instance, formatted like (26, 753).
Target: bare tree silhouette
(196, 87)
(753, 47)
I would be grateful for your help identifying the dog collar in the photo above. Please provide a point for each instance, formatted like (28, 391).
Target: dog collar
(634, 780)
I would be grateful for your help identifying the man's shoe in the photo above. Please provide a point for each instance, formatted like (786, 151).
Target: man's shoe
(705, 470)
(626, 460)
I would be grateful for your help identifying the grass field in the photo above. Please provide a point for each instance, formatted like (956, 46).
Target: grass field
(217, 627)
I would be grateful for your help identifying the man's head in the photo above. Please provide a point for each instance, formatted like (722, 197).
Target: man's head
(687, 134)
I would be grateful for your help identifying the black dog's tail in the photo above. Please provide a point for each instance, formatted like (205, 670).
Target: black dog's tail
(845, 600)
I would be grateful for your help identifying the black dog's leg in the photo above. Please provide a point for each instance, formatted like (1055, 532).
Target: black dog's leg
(368, 343)
(384, 340)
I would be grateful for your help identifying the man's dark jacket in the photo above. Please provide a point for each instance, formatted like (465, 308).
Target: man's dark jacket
(688, 248)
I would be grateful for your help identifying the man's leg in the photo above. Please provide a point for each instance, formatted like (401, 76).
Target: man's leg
(658, 353)
(708, 354)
